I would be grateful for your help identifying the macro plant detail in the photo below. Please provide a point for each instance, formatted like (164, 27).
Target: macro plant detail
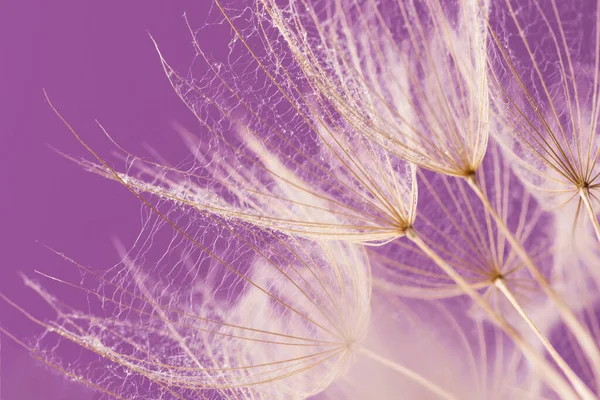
(257, 316)
(549, 112)
(369, 208)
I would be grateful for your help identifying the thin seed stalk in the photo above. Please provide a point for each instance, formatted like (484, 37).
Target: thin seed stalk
(421, 380)
(552, 377)
(577, 383)
(585, 196)
(582, 335)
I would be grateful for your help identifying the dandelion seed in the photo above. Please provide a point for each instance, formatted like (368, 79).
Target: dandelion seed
(282, 323)
(458, 119)
(317, 122)
(322, 185)
(278, 315)
(463, 233)
(294, 308)
(461, 230)
(421, 94)
(548, 112)
(548, 99)
(352, 152)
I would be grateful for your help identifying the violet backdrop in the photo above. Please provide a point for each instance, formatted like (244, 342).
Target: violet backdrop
(96, 61)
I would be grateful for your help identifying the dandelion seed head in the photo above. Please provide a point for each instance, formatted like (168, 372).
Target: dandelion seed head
(416, 86)
(266, 316)
(546, 94)
(249, 279)
(290, 160)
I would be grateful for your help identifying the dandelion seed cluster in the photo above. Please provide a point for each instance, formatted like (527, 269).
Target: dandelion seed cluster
(384, 200)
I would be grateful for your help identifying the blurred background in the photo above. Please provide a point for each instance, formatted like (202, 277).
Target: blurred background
(96, 61)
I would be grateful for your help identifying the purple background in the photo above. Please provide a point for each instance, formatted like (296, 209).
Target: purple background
(96, 61)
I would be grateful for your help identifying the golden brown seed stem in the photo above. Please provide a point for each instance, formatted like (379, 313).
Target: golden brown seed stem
(583, 336)
(552, 377)
(585, 196)
(579, 386)
(427, 384)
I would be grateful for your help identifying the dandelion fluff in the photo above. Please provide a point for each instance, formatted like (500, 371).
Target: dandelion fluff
(411, 76)
(298, 167)
(220, 316)
(547, 96)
